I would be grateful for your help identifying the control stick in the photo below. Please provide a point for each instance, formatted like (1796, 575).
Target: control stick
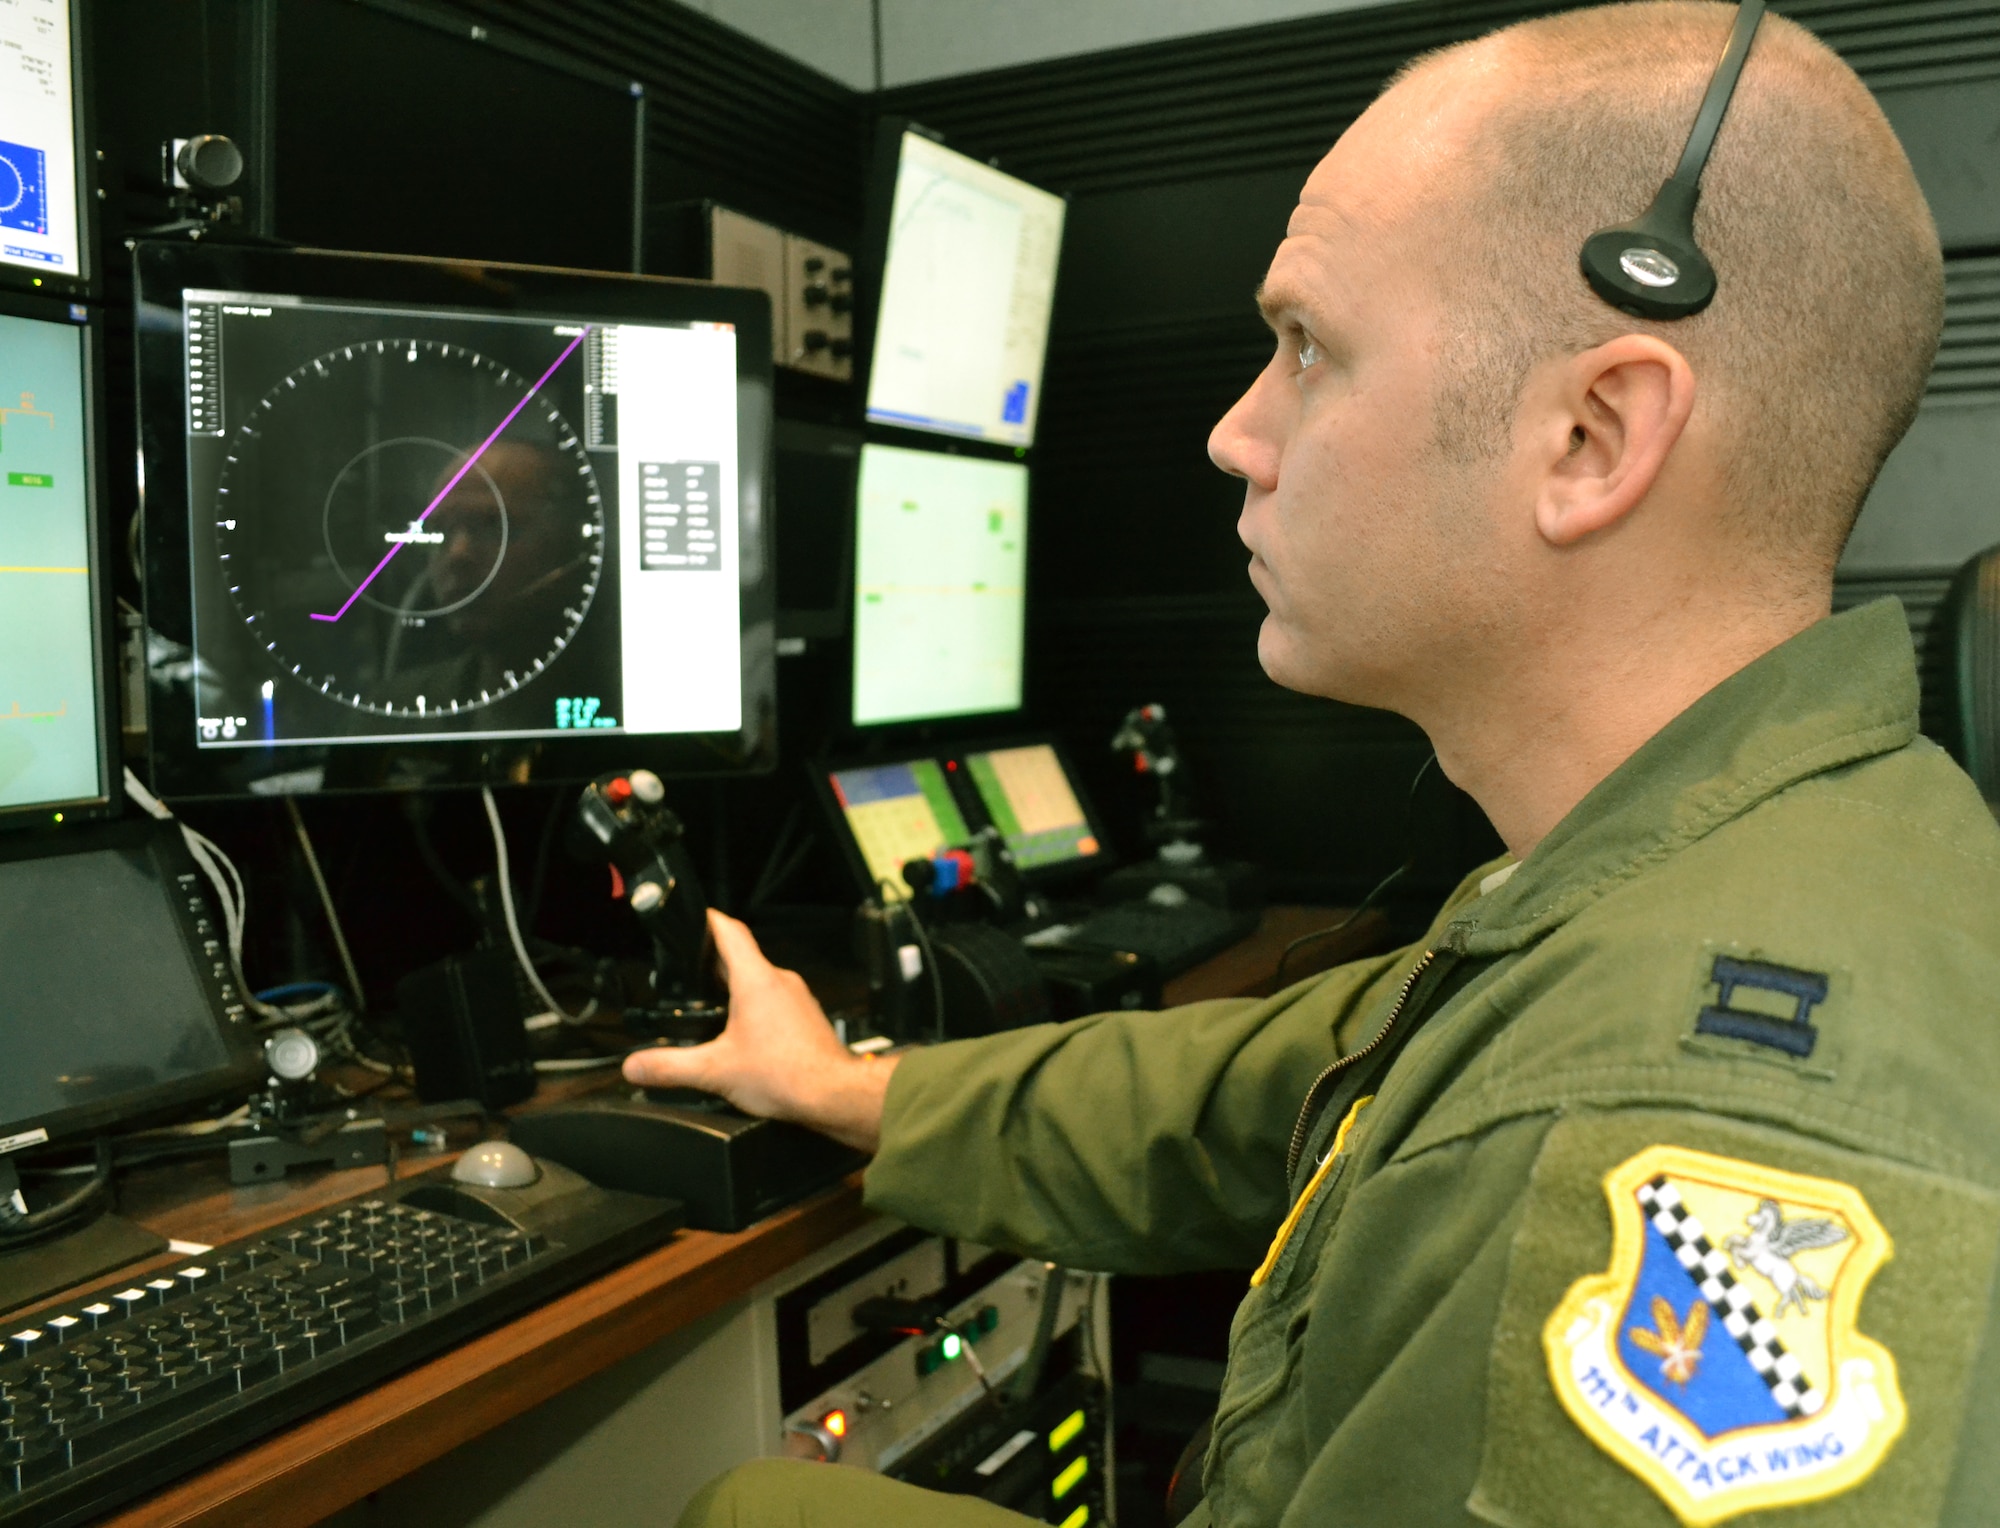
(623, 818)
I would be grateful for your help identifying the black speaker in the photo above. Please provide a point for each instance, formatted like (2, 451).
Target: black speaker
(462, 1021)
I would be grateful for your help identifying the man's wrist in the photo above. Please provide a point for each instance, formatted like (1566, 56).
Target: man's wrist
(848, 1107)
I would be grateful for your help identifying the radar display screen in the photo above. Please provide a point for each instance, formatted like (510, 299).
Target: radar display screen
(415, 522)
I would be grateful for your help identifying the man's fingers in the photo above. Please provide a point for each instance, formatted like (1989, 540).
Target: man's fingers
(737, 947)
(669, 1066)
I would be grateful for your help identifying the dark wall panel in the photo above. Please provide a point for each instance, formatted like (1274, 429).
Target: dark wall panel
(1183, 160)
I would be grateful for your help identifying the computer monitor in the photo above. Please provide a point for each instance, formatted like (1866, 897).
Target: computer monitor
(962, 312)
(414, 522)
(56, 730)
(1030, 798)
(446, 137)
(115, 1011)
(940, 585)
(43, 166)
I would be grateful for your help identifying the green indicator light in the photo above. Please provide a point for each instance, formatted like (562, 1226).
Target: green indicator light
(31, 480)
(951, 1347)
(1061, 1434)
(1072, 1473)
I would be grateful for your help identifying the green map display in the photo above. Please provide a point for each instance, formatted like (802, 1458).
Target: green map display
(940, 573)
(49, 746)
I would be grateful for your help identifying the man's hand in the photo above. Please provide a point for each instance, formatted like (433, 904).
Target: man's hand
(778, 1057)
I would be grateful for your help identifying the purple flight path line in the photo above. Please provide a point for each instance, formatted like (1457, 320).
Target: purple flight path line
(470, 462)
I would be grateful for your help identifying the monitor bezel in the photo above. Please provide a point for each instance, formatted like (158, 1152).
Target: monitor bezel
(58, 816)
(822, 769)
(239, 1074)
(83, 282)
(162, 271)
(871, 266)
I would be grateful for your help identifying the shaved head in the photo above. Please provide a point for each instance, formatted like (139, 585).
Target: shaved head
(1830, 284)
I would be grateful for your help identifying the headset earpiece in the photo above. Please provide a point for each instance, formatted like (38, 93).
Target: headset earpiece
(1652, 267)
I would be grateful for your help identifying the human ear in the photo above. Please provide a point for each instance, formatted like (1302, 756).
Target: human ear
(1611, 418)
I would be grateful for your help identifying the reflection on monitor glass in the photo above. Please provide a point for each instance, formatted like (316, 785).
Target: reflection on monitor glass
(455, 524)
(941, 552)
(86, 1032)
(38, 212)
(1027, 793)
(51, 751)
(967, 286)
(898, 812)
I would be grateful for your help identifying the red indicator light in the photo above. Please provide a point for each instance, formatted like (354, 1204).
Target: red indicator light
(835, 1422)
(619, 789)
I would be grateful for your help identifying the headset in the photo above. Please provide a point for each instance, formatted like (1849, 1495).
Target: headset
(1652, 268)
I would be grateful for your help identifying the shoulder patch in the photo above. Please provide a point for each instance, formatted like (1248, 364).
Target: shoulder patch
(1719, 1357)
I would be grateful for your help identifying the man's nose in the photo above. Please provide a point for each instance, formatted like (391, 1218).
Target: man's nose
(1244, 442)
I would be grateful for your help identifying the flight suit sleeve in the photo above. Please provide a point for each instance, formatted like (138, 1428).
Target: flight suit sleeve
(1126, 1142)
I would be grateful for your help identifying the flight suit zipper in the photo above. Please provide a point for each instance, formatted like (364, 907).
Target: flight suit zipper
(1316, 1094)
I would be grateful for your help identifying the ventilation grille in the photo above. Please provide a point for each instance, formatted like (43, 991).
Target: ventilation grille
(1968, 363)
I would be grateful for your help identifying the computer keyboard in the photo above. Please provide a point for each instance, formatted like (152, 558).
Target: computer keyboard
(1176, 937)
(110, 1395)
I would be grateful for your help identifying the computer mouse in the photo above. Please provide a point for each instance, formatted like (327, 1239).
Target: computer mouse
(496, 1164)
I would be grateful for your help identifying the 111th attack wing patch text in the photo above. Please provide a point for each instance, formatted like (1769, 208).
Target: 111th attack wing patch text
(1719, 1358)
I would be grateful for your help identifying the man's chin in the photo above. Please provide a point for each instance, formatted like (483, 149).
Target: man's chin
(1289, 660)
(1279, 655)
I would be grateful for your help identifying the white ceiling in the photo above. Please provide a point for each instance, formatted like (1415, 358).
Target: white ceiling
(933, 39)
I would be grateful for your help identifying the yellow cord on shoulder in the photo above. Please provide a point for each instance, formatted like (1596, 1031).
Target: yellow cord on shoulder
(1318, 1178)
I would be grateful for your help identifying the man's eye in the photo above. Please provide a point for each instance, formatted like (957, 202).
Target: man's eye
(1308, 353)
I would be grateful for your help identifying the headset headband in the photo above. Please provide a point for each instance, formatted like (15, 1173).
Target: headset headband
(1652, 268)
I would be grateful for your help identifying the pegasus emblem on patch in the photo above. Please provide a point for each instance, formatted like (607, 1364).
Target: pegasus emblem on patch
(1718, 1358)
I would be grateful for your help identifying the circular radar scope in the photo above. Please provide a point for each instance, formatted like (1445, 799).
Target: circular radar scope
(391, 546)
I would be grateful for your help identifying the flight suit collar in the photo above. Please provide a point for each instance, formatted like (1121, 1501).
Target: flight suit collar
(1842, 690)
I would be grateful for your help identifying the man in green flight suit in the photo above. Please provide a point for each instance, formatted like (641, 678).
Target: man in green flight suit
(1658, 1183)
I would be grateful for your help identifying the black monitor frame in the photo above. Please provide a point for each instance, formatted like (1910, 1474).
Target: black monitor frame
(61, 815)
(240, 1073)
(870, 265)
(84, 281)
(162, 271)
(971, 806)
(499, 40)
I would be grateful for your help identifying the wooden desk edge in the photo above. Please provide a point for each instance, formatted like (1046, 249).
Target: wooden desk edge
(336, 1457)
